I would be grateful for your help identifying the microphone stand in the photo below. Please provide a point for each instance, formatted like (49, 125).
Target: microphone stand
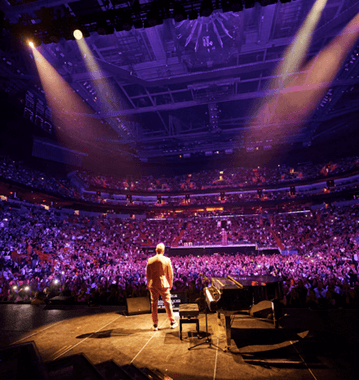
(208, 335)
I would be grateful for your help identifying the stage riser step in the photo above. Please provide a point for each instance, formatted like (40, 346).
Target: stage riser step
(134, 372)
(73, 367)
(111, 371)
(24, 361)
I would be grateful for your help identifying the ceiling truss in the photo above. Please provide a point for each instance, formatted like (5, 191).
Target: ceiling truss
(174, 71)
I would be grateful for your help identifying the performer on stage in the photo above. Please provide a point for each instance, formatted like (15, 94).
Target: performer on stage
(159, 282)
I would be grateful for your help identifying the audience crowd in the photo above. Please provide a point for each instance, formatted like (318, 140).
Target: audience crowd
(98, 260)
(18, 172)
(211, 180)
(216, 179)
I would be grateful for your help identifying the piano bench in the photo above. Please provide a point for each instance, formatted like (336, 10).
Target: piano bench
(188, 313)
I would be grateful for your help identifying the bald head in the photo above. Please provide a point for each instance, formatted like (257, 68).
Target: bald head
(160, 249)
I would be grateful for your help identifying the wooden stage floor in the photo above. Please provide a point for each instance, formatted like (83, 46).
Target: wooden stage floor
(311, 345)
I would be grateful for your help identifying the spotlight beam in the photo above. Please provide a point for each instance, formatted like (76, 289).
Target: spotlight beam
(299, 95)
(297, 51)
(294, 57)
(107, 99)
(321, 72)
(71, 115)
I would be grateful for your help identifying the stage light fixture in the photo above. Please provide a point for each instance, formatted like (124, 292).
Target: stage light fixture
(153, 18)
(193, 14)
(206, 8)
(78, 34)
(179, 13)
(127, 26)
(232, 6)
(138, 24)
(249, 3)
(105, 23)
(36, 40)
(124, 21)
(103, 28)
(31, 44)
(264, 3)
(236, 6)
(52, 35)
(26, 34)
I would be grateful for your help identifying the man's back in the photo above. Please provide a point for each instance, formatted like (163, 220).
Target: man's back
(159, 272)
(159, 282)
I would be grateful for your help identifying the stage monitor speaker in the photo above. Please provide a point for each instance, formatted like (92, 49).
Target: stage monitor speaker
(262, 309)
(62, 300)
(138, 305)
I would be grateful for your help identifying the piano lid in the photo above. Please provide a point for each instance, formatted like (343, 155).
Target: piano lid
(247, 281)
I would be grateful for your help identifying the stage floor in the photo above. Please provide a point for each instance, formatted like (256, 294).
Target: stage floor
(327, 350)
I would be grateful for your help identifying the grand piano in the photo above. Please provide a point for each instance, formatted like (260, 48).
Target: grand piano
(242, 294)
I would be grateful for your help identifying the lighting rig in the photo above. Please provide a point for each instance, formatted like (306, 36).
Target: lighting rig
(47, 25)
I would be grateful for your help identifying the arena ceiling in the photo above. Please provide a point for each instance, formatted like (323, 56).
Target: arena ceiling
(188, 86)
